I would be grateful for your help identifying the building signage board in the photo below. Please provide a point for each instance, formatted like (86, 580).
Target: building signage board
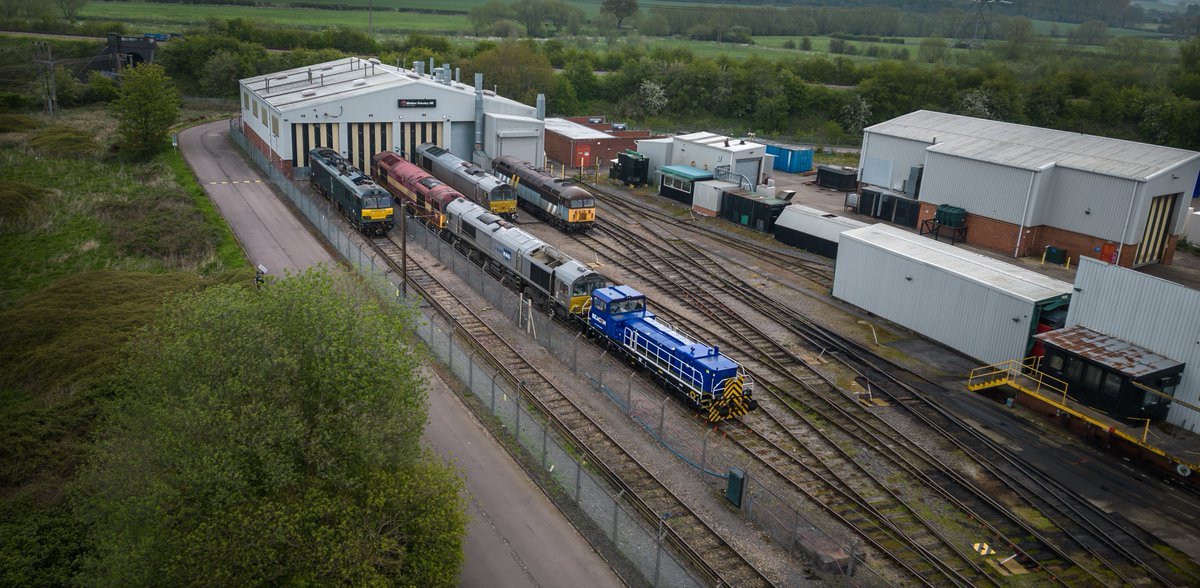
(417, 103)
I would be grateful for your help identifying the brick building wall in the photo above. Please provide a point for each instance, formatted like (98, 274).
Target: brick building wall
(1001, 237)
(282, 165)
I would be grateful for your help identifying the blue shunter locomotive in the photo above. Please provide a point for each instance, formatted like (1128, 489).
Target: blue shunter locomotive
(709, 380)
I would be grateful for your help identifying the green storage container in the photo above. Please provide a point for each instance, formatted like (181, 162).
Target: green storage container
(1056, 256)
(950, 216)
(735, 487)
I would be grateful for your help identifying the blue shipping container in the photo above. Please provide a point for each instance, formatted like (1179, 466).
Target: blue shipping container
(793, 161)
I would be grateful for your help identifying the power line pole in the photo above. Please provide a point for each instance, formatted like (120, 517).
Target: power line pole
(49, 89)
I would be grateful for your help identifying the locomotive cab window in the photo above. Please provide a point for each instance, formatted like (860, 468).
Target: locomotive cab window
(599, 305)
(583, 203)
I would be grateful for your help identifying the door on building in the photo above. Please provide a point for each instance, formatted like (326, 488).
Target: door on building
(583, 155)
(309, 136)
(367, 139)
(413, 134)
(749, 168)
(1158, 229)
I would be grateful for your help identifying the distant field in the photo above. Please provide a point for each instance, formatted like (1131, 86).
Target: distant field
(173, 17)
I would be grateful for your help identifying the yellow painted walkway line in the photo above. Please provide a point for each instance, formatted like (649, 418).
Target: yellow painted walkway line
(237, 182)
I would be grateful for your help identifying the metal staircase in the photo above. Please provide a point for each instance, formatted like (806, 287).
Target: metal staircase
(1022, 374)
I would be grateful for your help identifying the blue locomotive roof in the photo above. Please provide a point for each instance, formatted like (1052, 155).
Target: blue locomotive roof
(615, 293)
(698, 353)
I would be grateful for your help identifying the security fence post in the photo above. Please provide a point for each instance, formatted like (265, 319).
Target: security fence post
(658, 549)
(471, 372)
(493, 378)
(616, 510)
(662, 416)
(545, 434)
(575, 354)
(629, 394)
(578, 476)
(704, 448)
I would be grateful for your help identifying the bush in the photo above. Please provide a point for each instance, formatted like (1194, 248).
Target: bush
(15, 200)
(12, 123)
(162, 225)
(64, 142)
(11, 101)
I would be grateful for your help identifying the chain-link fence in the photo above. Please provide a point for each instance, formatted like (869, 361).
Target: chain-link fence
(780, 512)
(639, 542)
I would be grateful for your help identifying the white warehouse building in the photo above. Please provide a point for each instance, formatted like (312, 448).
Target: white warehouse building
(359, 107)
(1027, 188)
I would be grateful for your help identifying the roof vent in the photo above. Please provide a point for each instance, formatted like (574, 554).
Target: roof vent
(488, 93)
(327, 67)
(360, 82)
(413, 76)
(309, 93)
(281, 77)
(375, 60)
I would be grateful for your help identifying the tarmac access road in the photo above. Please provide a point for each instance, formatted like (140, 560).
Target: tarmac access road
(516, 536)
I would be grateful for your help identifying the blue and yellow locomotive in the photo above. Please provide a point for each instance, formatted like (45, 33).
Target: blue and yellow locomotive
(712, 382)
(366, 205)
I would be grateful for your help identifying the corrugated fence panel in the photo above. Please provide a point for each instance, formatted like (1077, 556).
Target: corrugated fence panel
(1161, 316)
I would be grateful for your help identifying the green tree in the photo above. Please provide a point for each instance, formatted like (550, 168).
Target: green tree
(620, 9)
(933, 50)
(1092, 32)
(270, 436)
(515, 69)
(70, 8)
(484, 15)
(147, 107)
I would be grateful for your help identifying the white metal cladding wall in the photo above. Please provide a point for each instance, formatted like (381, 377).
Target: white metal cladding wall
(901, 153)
(657, 151)
(1161, 316)
(964, 315)
(987, 189)
(1065, 201)
(461, 139)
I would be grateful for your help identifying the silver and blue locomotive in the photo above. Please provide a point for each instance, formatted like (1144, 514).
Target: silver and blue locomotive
(546, 275)
(708, 379)
(559, 202)
(476, 184)
(366, 205)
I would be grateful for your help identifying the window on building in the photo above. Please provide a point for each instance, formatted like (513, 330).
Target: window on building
(245, 102)
(677, 183)
(1074, 369)
(1091, 377)
(275, 125)
(255, 109)
(1112, 385)
(264, 114)
(1055, 362)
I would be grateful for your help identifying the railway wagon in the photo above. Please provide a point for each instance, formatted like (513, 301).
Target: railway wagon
(473, 181)
(423, 195)
(559, 202)
(551, 278)
(706, 378)
(364, 203)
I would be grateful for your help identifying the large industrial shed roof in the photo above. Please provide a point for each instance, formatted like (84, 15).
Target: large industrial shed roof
(345, 78)
(719, 141)
(1029, 147)
(998, 275)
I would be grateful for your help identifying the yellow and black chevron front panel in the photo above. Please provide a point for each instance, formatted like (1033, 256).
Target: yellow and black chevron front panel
(734, 403)
(376, 213)
(309, 136)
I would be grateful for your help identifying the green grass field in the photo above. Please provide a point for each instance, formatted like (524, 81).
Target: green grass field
(178, 17)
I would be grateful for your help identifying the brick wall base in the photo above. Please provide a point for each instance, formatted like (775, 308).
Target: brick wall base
(1001, 237)
(279, 163)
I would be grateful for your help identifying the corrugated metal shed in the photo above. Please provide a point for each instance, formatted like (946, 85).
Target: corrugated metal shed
(687, 172)
(1013, 280)
(1032, 148)
(984, 308)
(1122, 356)
(818, 223)
(1161, 316)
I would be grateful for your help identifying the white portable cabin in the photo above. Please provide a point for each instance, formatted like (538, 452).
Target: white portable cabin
(813, 230)
(982, 307)
(706, 199)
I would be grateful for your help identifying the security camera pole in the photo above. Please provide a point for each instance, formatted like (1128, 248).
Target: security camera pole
(260, 276)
